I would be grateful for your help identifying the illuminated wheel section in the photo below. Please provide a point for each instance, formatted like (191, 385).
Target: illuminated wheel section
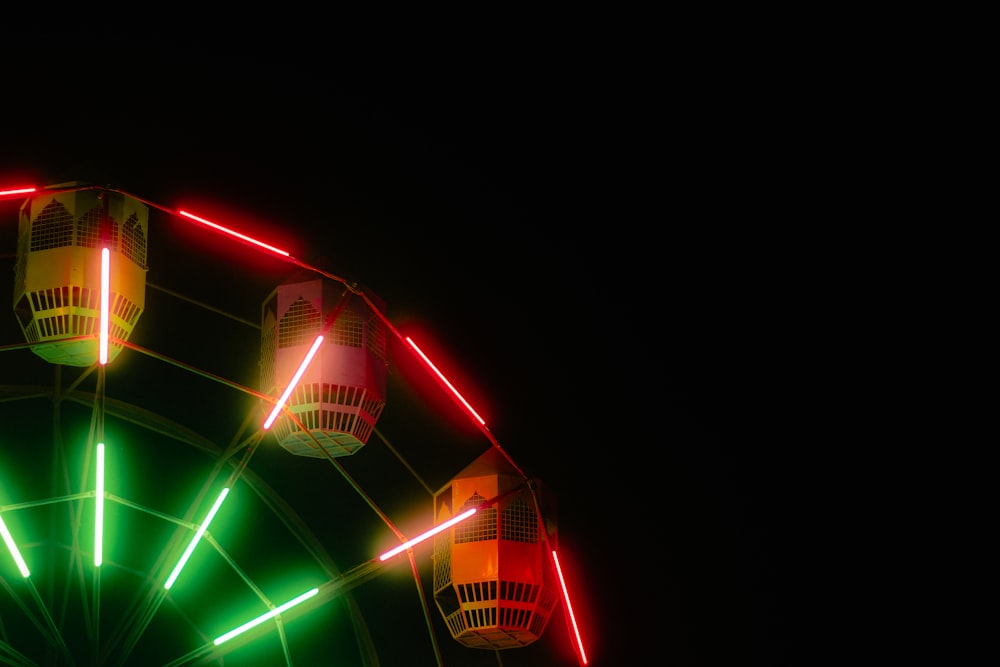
(178, 422)
(160, 483)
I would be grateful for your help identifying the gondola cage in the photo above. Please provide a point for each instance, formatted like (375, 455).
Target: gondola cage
(494, 583)
(57, 276)
(340, 397)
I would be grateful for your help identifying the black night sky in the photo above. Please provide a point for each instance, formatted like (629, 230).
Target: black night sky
(569, 228)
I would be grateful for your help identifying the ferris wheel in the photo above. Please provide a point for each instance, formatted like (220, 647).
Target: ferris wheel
(182, 484)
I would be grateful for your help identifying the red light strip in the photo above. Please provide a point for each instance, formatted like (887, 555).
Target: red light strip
(295, 380)
(445, 381)
(430, 533)
(16, 191)
(569, 608)
(105, 298)
(226, 230)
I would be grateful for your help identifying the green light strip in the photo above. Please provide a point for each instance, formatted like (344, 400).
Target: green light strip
(21, 565)
(263, 617)
(99, 510)
(197, 538)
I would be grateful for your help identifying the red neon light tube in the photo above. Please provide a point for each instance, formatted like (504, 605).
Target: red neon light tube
(105, 308)
(445, 381)
(16, 191)
(243, 237)
(291, 385)
(430, 533)
(569, 610)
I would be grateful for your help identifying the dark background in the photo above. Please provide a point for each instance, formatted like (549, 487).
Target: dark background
(581, 230)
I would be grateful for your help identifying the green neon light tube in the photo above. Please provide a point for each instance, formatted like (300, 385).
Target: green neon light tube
(197, 538)
(21, 565)
(263, 617)
(99, 510)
